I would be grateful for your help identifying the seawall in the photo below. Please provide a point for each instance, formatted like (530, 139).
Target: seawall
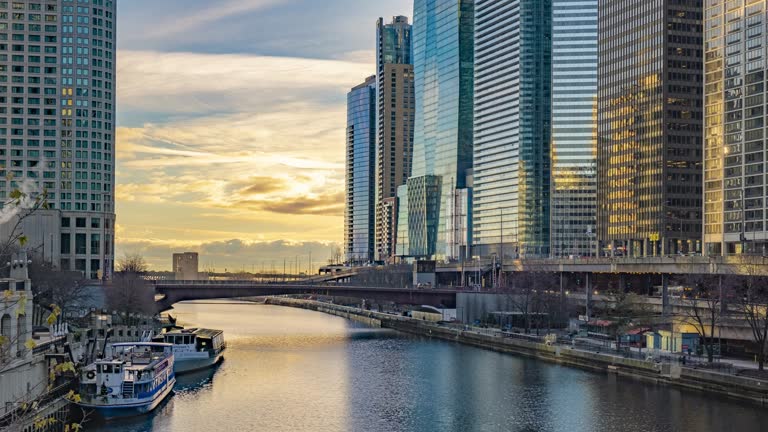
(743, 388)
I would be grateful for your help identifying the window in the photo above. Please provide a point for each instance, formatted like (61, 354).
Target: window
(80, 222)
(65, 222)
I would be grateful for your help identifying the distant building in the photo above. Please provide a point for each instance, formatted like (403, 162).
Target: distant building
(735, 204)
(359, 209)
(650, 109)
(185, 266)
(396, 110)
(443, 57)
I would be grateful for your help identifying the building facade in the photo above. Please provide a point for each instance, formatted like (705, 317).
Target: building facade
(395, 121)
(735, 128)
(359, 217)
(443, 56)
(185, 266)
(512, 122)
(650, 126)
(574, 128)
(57, 125)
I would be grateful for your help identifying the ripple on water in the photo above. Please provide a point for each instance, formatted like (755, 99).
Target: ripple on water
(295, 370)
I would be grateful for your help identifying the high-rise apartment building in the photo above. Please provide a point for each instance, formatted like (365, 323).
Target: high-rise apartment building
(57, 125)
(574, 128)
(359, 208)
(512, 121)
(650, 126)
(735, 127)
(395, 121)
(443, 56)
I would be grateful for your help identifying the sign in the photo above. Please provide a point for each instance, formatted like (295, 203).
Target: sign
(584, 318)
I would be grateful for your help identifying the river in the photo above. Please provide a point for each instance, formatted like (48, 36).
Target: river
(295, 370)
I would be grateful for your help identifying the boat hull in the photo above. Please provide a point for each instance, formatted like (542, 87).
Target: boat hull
(182, 366)
(117, 411)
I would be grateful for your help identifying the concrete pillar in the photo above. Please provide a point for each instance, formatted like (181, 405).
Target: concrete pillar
(562, 295)
(622, 282)
(588, 283)
(665, 294)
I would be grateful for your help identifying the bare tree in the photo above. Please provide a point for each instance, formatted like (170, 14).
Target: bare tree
(132, 263)
(703, 307)
(753, 306)
(337, 256)
(132, 296)
(63, 289)
(528, 294)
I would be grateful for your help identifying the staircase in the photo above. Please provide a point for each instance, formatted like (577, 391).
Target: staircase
(127, 389)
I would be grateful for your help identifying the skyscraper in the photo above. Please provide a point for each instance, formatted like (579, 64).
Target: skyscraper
(57, 125)
(395, 104)
(574, 128)
(512, 121)
(359, 215)
(649, 126)
(735, 207)
(443, 55)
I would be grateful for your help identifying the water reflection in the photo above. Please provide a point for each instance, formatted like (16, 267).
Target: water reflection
(295, 370)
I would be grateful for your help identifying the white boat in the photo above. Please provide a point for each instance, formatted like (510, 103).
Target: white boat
(195, 348)
(132, 380)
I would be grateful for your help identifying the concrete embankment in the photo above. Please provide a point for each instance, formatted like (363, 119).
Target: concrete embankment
(743, 388)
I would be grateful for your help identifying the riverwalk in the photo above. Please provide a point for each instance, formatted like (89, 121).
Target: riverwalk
(661, 372)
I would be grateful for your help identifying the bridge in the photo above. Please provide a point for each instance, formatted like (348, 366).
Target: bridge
(171, 292)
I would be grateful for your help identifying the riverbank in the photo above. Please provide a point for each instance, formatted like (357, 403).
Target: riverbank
(676, 375)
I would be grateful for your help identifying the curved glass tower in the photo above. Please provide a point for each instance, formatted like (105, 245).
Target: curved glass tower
(360, 172)
(443, 55)
(57, 125)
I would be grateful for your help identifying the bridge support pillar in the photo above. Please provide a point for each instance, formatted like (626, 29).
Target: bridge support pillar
(588, 284)
(562, 295)
(664, 294)
(623, 282)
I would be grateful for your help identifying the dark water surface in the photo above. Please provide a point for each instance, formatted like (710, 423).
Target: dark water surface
(295, 370)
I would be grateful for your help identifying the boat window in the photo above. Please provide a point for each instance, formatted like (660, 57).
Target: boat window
(108, 368)
(187, 340)
(98, 368)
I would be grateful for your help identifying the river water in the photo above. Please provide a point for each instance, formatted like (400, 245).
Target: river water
(295, 370)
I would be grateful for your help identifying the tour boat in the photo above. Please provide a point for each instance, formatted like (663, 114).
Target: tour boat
(132, 380)
(195, 348)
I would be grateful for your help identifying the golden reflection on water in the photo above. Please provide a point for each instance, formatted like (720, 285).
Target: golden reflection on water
(271, 370)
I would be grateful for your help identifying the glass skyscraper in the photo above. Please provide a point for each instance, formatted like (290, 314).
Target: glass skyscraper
(394, 75)
(57, 125)
(574, 128)
(735, 204)
(512, 122)
(443, 32)
(650, 126)
(360, 172)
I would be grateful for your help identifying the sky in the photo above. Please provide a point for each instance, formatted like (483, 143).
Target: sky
(231, 119)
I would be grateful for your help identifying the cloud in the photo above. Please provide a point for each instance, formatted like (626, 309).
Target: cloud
(329, 204)
(218, 11)
(232, 254)
(154, 85)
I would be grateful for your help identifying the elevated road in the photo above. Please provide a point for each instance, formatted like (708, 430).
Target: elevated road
(732, 265)
(170, 292)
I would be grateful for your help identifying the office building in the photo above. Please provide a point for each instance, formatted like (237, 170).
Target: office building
(650, 126)
(574, 128)
(185, 266)
(512, 122)
(359, 217)
(395, 120)
(443, 56)
(735, 127)
(57, 125)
